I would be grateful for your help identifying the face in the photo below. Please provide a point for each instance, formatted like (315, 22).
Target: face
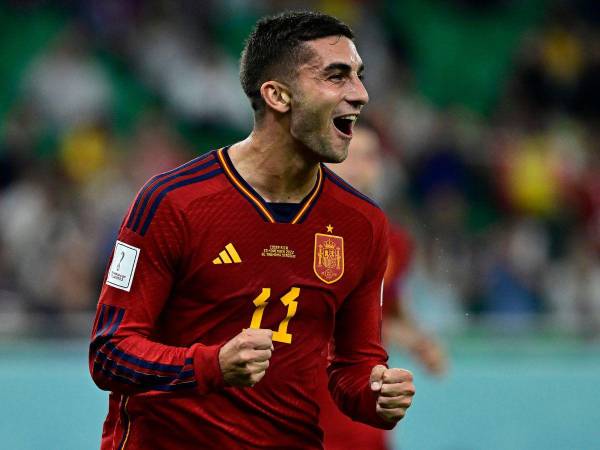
(327, 97)
(364, 166)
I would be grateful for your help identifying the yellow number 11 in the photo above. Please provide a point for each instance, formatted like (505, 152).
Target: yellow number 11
(289, 300)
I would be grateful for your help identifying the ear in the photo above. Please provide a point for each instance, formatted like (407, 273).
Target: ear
(276, 96)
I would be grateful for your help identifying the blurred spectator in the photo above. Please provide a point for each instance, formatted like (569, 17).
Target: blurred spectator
(21, 131)
(66, 85)
(572, 286)
(193, 76)
(46, 248)
(512, 286)
(492, 107)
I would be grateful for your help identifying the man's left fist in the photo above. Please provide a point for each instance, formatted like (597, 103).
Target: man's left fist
(396, 391)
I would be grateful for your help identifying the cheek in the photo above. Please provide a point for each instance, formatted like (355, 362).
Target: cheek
(308, 118)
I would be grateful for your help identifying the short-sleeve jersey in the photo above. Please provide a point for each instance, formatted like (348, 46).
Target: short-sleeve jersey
(199, 258)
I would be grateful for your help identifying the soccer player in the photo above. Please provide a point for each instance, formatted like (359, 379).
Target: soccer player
(233, 272)
(363, 168)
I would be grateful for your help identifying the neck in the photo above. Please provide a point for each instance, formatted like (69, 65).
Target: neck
(276, 165)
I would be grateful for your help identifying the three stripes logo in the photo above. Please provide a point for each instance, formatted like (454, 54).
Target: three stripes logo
(228, 256)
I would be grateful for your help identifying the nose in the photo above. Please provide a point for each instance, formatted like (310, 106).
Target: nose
(357, 95)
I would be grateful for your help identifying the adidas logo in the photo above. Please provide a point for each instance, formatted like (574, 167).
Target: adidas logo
(228, 256)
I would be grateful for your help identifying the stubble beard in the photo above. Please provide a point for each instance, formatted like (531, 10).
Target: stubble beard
(313, 130)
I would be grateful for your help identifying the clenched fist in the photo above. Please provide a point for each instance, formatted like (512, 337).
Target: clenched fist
(396, 391)
(245, 358)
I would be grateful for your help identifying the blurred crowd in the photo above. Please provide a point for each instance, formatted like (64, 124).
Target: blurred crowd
(489, 112)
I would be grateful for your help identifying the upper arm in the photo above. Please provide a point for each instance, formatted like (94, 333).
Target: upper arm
(358, 322)
(142, 269)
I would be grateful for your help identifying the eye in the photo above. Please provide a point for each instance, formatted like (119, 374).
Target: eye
(336, 77)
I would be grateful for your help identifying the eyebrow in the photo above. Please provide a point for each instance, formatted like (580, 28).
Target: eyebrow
(342, 67)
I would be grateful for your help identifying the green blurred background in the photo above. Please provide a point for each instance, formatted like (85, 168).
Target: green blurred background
(488, 112)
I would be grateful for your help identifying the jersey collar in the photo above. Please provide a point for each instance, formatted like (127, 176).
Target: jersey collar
(257, 201)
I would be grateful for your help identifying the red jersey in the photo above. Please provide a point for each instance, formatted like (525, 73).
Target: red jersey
(200, 257)
(399, 257)
(340, 431)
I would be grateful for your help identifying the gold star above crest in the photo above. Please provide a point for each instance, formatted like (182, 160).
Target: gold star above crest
(329, 229)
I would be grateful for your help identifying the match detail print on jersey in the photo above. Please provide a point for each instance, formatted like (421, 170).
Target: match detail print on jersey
(329, 257)
(122, 269)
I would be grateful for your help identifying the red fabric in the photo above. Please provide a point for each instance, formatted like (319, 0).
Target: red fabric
(156, 346)
(341, 432)
(400, 254)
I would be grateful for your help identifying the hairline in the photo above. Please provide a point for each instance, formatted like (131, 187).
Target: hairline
(311, 53)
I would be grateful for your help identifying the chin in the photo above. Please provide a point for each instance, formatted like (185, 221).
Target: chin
(333, 155)
(326, 148)
(334, 150)
(340, 157)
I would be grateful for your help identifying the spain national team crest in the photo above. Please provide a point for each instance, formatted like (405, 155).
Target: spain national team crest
(329, 257)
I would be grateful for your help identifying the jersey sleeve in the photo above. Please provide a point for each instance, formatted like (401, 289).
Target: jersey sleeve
(123, 354)
(399, 259)
(357, 340)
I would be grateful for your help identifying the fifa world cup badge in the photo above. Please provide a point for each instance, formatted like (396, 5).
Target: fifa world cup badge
(329, 257)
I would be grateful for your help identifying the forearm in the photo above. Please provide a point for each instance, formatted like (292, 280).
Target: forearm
(130, 363)
(349, 387)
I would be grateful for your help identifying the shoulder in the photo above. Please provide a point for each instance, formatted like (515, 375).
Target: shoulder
(172, 191)
(353, 199)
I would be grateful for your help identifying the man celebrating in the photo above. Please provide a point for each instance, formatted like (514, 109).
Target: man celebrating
(232, 273)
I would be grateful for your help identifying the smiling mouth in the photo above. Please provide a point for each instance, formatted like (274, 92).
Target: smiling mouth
(345, 124)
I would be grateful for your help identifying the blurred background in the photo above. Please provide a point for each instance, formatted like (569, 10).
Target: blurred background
(489, 112)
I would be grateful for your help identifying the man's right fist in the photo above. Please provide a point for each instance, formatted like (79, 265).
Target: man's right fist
(245, 358)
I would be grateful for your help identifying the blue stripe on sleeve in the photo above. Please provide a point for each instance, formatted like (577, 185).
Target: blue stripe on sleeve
(100, 321)
(143, 363)
(164, 181)
(161, 387)
(115, 326)
(153, 179)
(115, 371)
(140, 377)
(111, 312)
(160, 196)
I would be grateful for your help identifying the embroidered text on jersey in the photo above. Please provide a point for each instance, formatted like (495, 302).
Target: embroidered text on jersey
(282, 251)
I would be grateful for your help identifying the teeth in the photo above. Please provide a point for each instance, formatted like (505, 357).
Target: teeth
(352, 117)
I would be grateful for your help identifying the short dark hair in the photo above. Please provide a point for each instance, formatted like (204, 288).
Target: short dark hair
(276, 47)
